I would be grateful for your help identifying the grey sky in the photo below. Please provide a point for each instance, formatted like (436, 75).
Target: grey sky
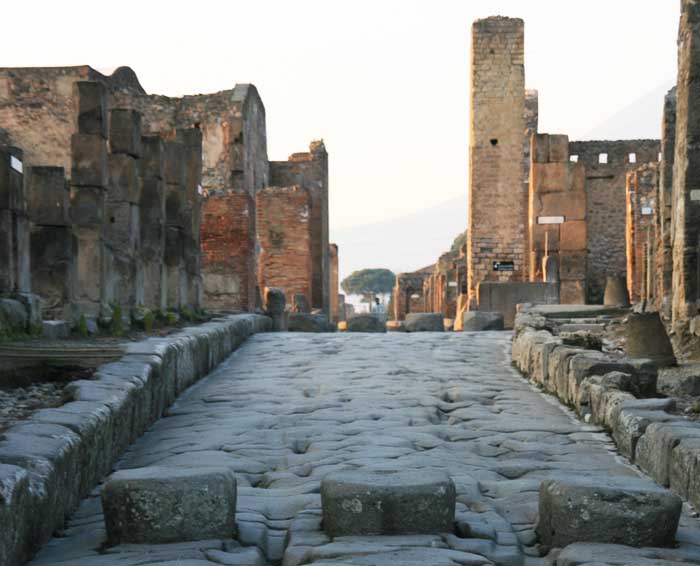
(384, 82)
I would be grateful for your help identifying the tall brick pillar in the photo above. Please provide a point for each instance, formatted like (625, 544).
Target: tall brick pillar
(152, 222)
(686, 178)
(496, 222)
(53, 245)
(14, 227)
(191, 139)
(175, 210)
(122, 232)
(663, 251)
(89, 179)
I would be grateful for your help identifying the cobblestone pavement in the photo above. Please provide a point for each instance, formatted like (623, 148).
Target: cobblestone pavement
(286, 409)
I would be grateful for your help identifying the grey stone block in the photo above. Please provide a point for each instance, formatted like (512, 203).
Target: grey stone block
(365, 323)
(424, 322)
(125, 132)
(655, 447)
(480, 320)
(48, 201)
(124, 179)
(387, 503)
(624, 511)
(88, 161)
(55, 329)
(91, 98)
(16, 505)
(162, 505)
(303, 322)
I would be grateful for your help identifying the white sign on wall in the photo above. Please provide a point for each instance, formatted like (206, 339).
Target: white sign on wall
(452, 284)
(16, 164)
(695, 194)
(550, 220)
(647, 210)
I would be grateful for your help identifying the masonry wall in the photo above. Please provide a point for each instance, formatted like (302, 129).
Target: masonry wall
(310, 171)
(496, 222)
(407, 295)
(605, 204)
(284, 236)
(641, 201)
(557, 217)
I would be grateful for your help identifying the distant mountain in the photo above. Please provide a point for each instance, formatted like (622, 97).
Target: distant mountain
(401, 244)
(640, 120)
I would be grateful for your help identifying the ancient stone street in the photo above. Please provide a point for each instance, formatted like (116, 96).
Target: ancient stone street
(286, 409)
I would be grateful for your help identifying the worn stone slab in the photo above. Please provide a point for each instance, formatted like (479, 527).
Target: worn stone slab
(161, 505)
(424, 322)
(603, 510)
(387, 503)
(474, 321)
(365, 323)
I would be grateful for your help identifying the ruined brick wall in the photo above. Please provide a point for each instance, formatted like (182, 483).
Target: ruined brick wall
(557, 216)
(686, 171)
(641, 195)
(334, 282)
(284, 237)
(228, 251)
(496, 228)
(663, 252)
(605, 203)
(310, 170)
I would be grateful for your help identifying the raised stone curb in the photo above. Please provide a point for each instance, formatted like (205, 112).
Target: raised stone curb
(57, 456)
(617, 393)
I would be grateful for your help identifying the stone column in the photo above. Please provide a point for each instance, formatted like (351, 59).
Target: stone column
(686, 177)
(175, 222)
(122, 233)
(52, 243)
(191, 139)
(333, 291)
(641, 189)
(152, 222)
(89, 179)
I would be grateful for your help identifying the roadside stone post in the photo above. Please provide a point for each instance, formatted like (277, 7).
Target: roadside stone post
(152, 223)
(89, 180)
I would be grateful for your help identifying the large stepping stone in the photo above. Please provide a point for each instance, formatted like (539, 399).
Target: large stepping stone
(387, 503)
(424, 322)
(365, 323)
(163, 505)
(606, 510)
(475, 321)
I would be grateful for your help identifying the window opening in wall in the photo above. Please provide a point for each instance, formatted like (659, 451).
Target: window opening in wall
(573, 158)
(603, 158)
(632, 157)
(494, 142)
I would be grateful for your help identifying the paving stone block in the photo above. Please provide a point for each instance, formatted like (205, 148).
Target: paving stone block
(424, 322)
(387, 503)
(365, 323)
(481, 320)
(161, 505)
(623, 511)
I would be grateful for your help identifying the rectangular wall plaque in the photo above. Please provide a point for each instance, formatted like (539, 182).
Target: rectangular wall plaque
(550, 220)
(503, 266)
(452, 284)
(695, 194)
(647, 210)
(16, 164)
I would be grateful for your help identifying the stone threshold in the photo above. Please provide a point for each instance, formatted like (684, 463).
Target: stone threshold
(51, 461)
(618, 394)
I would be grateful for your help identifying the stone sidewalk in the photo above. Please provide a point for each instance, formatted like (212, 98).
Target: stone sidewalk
(286, 409)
